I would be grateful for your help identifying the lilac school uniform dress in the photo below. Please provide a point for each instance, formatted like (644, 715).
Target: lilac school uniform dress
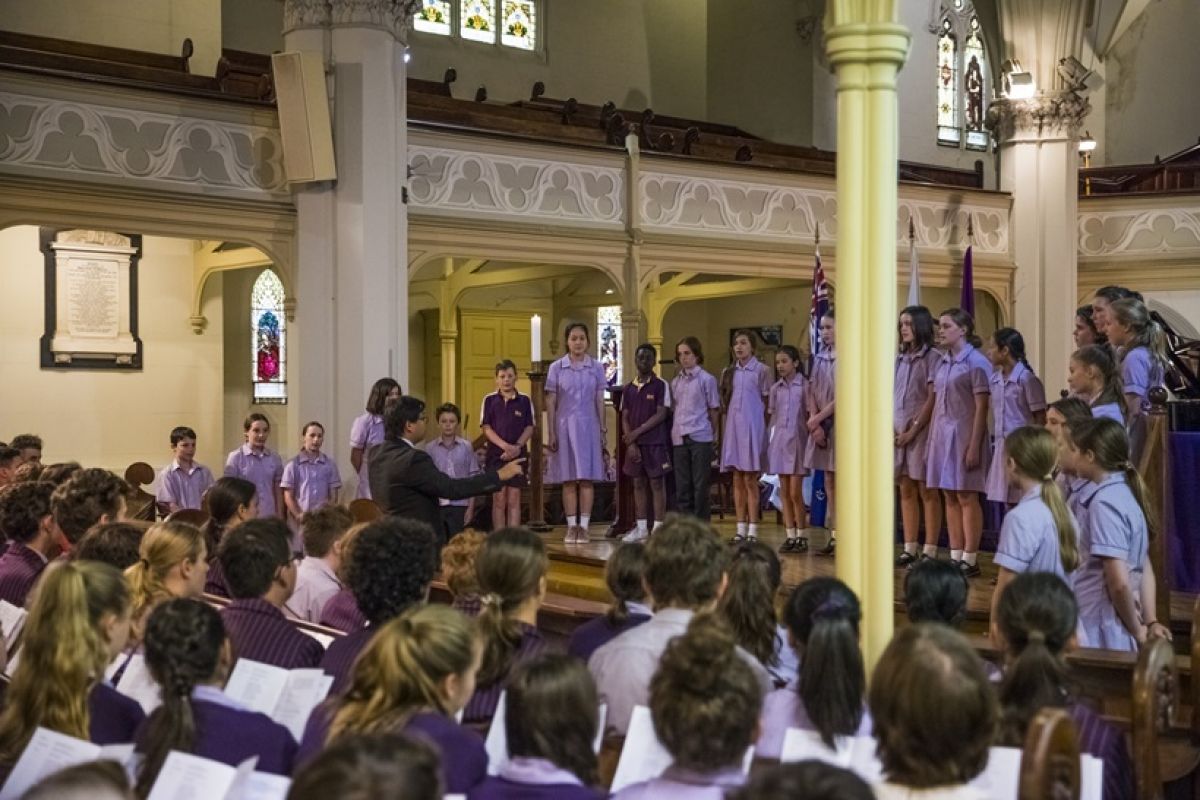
(113, 717)
(1112, 526)
(1029, 538)
(744, 446)
(820, 390)
(1139, 374)
(1108, 411)
(914, 373)
(958, 380)
(677, 783)
(508, 417)
(783, 709)
(264, 470)
(786, 403)
(365, 433)
(1015, 399)
(640, 402)
(577, 385)
(533, 779)
(594, 634)
(183, 488)
(311, 479)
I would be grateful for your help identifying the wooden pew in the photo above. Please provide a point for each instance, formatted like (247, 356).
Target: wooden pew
(558, 618)
(1050, 758)
(192, 516)
(365, 510)
(140, 504)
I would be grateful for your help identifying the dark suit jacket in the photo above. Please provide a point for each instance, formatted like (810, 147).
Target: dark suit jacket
(406, 482)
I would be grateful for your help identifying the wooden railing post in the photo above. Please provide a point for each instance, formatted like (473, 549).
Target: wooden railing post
(623, 485)
(537, 496)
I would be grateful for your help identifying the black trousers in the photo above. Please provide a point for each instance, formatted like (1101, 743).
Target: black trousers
(454, 519)
(693, 474)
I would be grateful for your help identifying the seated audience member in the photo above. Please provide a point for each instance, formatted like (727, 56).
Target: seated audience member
(188, 655)
(512, 579)
(624, 574)
(183, 482)
(60, 473)
(256, 558)
(416, 673)
(810, 780)
(748, 605)
(91, 780)
(172, 562)
(685, 573)
(935, 591)
(316, 577)
(115, 543)
(458, 570)
(10, 459)
(934, 714)
(377, 766)
(231, 501)
(28, 472)
(26, 521)
(78, 623)
(551, 720)
(341, 611)
(705, 702)
(1036, 618)
(391, 564)
(88, 497)
(30, 447)
(822, 616)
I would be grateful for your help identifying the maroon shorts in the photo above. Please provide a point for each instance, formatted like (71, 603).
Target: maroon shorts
(656, 462)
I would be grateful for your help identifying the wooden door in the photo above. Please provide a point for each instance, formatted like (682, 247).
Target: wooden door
(485, 339)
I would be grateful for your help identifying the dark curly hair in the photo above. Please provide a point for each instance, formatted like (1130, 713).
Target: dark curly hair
(115, 543)
(86, 497)
(390, 567)
(812, 780)
(252, 553)
(377, 766)
(23, 506)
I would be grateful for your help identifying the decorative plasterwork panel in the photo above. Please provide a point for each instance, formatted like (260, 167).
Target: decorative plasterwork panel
(942, 226)
(1140, 231)
(448, 181)
(84, 140)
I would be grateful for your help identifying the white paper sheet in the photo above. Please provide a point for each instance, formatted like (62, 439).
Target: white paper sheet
(286, 696)
(137, 682)
(643, 757)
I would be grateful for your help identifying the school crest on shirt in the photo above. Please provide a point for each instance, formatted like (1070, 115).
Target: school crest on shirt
(518, 413)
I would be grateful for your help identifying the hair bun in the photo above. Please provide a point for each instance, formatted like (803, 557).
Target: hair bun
(699, 658)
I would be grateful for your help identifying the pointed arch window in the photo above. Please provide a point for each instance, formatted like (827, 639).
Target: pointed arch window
(268, 339)
(608, 332)
(947, 84)
(962, 79)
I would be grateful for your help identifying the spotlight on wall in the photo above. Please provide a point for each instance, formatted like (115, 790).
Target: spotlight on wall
(1017, 84)
(407, 54)
(1073, 73)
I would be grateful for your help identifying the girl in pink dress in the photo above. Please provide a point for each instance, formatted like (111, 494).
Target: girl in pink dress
(1018, 399)
(912, 408)
(744, 386)
(818, 453)
(367, 431)
(788, 407)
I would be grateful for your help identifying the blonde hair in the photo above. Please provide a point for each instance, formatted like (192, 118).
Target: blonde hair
(458, 562)
(1146, 332)
(1034, 453)
(347, 548)
(164, 545)
(64, 653)
(401, 670)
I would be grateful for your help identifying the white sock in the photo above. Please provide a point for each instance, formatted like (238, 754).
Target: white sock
(956, 555)
(910, 548)
(792, 533)
(931, 550)
(741, 529)
(641, 525)
(584, 519)
(657, 525)
(753, 531)
(970, 558)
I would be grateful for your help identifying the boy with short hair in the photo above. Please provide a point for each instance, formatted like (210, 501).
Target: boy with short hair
(452, 454)
(30, 446)
(88, 497)
(26, 520)
(10, 459)
(645, 404)
(183, 482)
(316, 578)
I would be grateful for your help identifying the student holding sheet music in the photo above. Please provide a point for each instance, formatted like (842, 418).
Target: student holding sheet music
(88, 497)
(376, 766)
(417, 672)
(189, 656)
(173, 563)
(811, 780)
(78, 623)
(32, 538)
(256, 558)
(91, 780)
(458, 571)
(748, 606)
(115, 543)
(624, 574)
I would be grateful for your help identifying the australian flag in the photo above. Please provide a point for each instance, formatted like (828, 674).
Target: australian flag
(820, 305)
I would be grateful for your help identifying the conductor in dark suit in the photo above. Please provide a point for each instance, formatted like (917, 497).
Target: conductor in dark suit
(405, 481)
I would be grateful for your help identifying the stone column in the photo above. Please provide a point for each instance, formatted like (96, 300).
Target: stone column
(866, 49)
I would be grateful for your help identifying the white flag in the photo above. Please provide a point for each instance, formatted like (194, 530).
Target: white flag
(914, 276)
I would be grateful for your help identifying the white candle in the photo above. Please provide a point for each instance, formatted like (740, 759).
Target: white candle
(535, 344)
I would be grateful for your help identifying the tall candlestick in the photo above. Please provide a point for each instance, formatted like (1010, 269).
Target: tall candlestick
(535, 344)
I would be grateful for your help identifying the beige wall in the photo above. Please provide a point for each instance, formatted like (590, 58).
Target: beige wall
(255, 26)
(106, 418)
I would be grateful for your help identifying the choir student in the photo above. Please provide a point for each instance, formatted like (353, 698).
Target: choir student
(341, 611)
(1102, 304)
(183, 482)
(310, 480)
(1115, 585)
(812, 780)
(1085, 331)
(645, 405)
(458, 571)
(1017, 398)
(368, 431)
(936, 591)
(316, 577)
(694, 423)
(744, 388)
(91, 780)
(748, 606)
(260, 465)
(822, 617)
(1059, 415)
(787, 405)
(30, 446)
(957, 455)
(1036, 620)
(705, 704)
(88, 497)
(453, 456)
(507, 421)
(417, 672)
(912, 410)
(115, 543)
(624, 574)
(1039, 534)
(1143, 347)
(78, 623)
(172, 562)
(575, 429)
(1092, 377)
(32, 536)
(551, 720)
(10, 461)
(377, 766)
(231, 501)
(819, 450)
(190, 659)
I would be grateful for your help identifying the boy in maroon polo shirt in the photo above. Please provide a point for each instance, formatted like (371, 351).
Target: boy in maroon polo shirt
(32, 538)
(645, 404)
(507, 422)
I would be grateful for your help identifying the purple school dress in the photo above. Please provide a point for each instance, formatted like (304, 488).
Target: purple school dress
(959, 378)
(1029, 539)
(177, 486)
(820, 389)
(342, 612)
(914, 372)
(1014, 401)
(594, 634)
(113, 718)
(264, 470)
(577, 385)
(1139, 374)
(508, 417)
(639, 403)
(783, 709)
(677, 783)
(20, 567)
(789, 436)
(744, 445)
(365, 433)
(533, 779)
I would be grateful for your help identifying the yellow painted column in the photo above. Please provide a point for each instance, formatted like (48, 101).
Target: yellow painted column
(866, 48)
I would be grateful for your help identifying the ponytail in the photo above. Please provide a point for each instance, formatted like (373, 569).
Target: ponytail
(1035, 453)
(1107, 440)
(624, 573)
(1094, 355)
(511, 566)
(1068, 544)
(165, 545)
(748, 604)
(1141, 493)
(1146, 330)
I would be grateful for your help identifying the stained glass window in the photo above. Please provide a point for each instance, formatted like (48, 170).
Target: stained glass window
(434, 17)
(268, 342)
(519, 28)
(608, 332)
(477, 20)
(947, 84)
(975, 87)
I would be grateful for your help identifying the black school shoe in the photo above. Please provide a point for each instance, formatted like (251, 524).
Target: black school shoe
(906, 559)
(969, 570)
(829, 549)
